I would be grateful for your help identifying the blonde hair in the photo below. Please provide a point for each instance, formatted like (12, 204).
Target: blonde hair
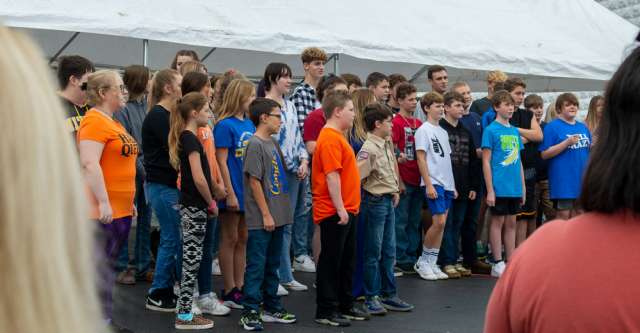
(497, 76)
(160, 80)
(592, 115)
(236, 94)
(102, 79)
(192, 66)
(190, 102)
(47, 253)
(361, 98)
(551, 113)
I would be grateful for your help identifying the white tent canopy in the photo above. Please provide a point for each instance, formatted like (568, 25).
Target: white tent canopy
(555, 45)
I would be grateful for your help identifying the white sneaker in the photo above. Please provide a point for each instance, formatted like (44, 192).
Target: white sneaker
(215, 267)
(282, 291)
(498, 269)
(211, 305)
(195, 309)
(295, 286)
(440, 274)
(424, 270)
(304, 263)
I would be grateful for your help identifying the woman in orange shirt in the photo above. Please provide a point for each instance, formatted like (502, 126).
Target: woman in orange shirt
(108, 156)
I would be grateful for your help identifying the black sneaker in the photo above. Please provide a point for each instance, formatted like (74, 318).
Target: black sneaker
(251, 321)
(405, 269)
(357, 313)
(334, 320)
(162, 300)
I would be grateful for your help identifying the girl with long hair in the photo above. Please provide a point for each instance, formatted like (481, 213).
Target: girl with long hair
(596, 105)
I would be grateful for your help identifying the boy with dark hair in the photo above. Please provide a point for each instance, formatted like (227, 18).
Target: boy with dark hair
(438, 79)
(434, 162)
(336, 203)
(267, 211)
(304, 95)
(408, 212)
(353, 81)
(381, 186)
(394, 81)
(566, 145)
(73, 73)
(378, 83)
(466, 174)
(504, 178)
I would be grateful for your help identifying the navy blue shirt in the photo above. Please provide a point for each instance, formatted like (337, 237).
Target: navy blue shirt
(473, 123)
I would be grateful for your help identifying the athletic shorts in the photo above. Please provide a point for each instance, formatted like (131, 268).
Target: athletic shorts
(506, 206)
(564, 204)
(442, 203)
(530, 206)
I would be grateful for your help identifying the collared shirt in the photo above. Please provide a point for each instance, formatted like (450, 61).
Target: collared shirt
(377, 166)
(290, 139)
(304, 100)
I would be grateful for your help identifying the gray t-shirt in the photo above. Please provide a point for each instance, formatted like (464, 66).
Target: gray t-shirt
(262, 160)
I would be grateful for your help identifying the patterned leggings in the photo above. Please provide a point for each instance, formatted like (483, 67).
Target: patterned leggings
(194, 224)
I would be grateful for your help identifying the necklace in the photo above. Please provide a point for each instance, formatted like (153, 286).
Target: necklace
(407, 122)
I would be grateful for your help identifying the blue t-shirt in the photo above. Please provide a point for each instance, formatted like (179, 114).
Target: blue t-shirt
(488, 117)
(566, 169)
(234, 134)
(473, 123)
(505, 145)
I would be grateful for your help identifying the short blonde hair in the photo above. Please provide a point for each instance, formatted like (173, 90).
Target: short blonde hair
(102, 79)
(496, 76)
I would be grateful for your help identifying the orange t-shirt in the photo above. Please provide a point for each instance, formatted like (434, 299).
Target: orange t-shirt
(118, 161)
(205, 136)
(333, 153)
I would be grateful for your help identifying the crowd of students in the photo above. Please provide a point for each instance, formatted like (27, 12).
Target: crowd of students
(358, 184)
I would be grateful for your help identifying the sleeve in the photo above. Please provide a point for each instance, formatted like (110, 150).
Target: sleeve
(520, 144)
(486, 139)
(94, 129)
(298, 103)
(330, 156)
(421, 139)
(223, 135)
(548, 138)
(475, 166)
(365, 160)
(189, 144)
(299, 147)
(252, 164)
(312, 128)
(486, 119)
(397, 132)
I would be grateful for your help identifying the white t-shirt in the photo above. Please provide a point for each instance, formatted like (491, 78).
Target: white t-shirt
(435, 142)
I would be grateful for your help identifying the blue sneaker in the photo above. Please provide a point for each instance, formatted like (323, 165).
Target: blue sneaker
(374, 307)
(396, 304)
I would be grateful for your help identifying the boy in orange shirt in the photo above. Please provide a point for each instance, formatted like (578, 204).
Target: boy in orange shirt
(336, 201)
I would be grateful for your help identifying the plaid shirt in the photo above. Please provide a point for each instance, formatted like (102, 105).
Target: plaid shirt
(304, 100)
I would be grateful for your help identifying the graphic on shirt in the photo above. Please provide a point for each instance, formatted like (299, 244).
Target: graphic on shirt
(437, 147)
(73, 123)
(241, 145)
(409, 145)
(583, 141)
(129, 145)
(278, 185)
(509, 143)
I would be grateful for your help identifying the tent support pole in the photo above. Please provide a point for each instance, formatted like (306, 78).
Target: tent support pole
(418, 73)
(208, 54)
(145, 52)
(64, 47)
(336, 64)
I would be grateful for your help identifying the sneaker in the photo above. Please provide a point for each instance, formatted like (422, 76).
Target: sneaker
(374, 307)
(480, 267)
(498, 269)
(440, 274)
(215, 267)
(197, 323)
(251, 321)
(424, 270)
(212, 305)
(233, 299)
(334, 320)
(294, 285)
(282, 317)
(462, 270)
(127, 277)
(452, 272)
(304, 263)
(357, 313)
(162, 300)
(195, 309)
(397, 272)
(282, 291)
(405, 268)
(395, 304)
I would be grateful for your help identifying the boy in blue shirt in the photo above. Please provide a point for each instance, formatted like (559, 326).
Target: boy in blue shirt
(566, 144)
(504, 177)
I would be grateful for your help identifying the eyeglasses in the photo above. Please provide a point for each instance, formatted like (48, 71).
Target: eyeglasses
(279, 116)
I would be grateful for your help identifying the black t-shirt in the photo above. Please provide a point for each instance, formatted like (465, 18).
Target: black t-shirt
(189, 194)
(73, 115)
(522, 119)
(480, 106)
(155, 144)
(541, 165)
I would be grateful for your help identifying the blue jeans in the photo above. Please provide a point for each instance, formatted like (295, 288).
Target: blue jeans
(261, 275)
(300, 198)
(379, 246)
(164, 201)
(449, 250)
(204, 273)
(408, 219)
(142, 253)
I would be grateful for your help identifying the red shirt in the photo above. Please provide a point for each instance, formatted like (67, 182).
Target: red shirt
(580, 275)
(402, 134)
(313, 125)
